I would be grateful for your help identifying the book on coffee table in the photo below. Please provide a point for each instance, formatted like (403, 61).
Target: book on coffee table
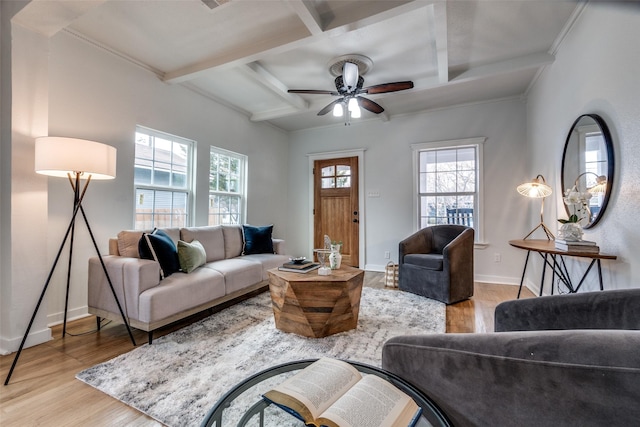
(333, 393)
(299, 268)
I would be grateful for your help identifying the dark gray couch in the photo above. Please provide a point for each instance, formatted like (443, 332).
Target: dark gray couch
(542, 369)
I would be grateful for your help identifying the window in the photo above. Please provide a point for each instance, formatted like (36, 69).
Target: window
(448, 183)
(226, 187)
(163, 179)
(336, 176)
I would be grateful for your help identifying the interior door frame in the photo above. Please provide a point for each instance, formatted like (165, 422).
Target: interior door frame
(359, 153)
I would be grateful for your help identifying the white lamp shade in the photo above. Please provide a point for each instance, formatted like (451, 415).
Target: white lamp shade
(56, 156)
(338, 110)
(537, 188)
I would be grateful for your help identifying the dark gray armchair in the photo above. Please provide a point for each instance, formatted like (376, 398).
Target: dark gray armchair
(437, 262)
(563, 360)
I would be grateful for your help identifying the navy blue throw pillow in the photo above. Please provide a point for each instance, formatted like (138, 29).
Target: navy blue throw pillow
(159, 247)
(257, 240)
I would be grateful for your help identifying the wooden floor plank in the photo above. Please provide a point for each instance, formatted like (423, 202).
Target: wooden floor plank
(43, 389)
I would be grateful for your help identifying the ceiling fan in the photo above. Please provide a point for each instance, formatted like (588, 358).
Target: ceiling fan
(349, 87)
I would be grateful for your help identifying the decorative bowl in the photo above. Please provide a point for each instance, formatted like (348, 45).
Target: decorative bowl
(298, 260)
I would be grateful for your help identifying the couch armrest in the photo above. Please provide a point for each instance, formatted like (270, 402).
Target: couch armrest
(129, 276)
(615, 309)
(560, 378)
(458, 254)
(278, 246)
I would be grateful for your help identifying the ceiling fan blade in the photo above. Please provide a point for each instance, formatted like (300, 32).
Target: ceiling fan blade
(369, 105)
(329, 107)
(388, 87)
(314, 91)
(350, 76)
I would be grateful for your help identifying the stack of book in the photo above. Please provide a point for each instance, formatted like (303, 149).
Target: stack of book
(299, 267)
(577, 246)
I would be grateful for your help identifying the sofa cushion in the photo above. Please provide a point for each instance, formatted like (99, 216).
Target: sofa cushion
(180, 292)
(268, 261)
(257, 240)
(430, 261)
(128, 243)
(238, 273)
(159, 247)
(211, 238)
(232, 240)
(191, 255)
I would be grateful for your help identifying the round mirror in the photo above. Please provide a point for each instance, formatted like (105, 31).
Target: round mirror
(587, 167)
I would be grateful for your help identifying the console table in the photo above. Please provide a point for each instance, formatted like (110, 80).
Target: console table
(546, 249)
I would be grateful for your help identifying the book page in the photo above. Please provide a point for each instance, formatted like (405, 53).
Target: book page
(320, 384)
(373, 402)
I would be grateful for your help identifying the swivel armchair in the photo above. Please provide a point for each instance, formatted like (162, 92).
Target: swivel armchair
(437, 262)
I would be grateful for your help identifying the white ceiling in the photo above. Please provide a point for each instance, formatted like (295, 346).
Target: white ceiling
(247, 53)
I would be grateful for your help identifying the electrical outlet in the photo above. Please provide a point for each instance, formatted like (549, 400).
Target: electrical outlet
(497, 257)
(387, 255)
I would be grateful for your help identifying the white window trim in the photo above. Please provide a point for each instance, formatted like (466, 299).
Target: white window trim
(191, 190)
(453, 143)
(243, 179)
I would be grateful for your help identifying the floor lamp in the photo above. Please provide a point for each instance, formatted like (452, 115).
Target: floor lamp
(537, 188)
(74, 159)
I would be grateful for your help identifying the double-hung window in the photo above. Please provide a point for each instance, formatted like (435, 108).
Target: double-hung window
(448, 183)
(227, 187)
(163, 179)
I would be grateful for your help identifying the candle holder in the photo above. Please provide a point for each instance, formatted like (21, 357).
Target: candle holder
(323, 256)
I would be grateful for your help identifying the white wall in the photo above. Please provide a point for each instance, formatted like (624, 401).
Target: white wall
(388, 171)
(596, 71)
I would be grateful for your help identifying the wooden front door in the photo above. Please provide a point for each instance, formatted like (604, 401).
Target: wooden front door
(336, 210)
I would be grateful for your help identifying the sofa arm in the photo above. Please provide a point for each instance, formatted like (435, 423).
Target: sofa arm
(278, 246)
(615, 309)
(560, 378)
(129, 276)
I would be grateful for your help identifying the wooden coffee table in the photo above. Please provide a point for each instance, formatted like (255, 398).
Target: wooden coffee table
(316, 306)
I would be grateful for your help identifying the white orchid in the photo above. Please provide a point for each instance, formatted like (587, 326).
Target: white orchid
(578, 204)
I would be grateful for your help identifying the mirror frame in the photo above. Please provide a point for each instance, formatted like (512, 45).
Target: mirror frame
(610, 164)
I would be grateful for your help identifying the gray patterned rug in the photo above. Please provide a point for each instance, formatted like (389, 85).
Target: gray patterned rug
(181, 376)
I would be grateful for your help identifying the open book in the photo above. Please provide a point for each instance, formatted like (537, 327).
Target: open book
(333, 393)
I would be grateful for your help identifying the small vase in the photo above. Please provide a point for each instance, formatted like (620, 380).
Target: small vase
(570, 231)
(335, 259)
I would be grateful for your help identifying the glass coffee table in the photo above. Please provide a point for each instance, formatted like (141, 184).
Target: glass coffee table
(243, 406)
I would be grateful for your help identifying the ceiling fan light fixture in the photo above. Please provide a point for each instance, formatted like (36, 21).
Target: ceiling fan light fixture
(338, 111)
(354, 108)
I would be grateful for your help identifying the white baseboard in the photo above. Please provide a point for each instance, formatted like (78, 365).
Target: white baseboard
(9, 345)
(73, 314)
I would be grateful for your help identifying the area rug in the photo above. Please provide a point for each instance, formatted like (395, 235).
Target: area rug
(178, 378)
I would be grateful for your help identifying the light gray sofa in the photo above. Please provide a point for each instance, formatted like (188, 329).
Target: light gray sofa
(562, 360)
(150, 303)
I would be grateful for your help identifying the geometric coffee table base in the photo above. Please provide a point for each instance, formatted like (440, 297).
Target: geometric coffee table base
(316, 306)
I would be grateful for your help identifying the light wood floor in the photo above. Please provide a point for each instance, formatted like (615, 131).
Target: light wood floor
(43, 389)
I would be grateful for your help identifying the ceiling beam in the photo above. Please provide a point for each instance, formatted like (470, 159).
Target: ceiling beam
(308, 14)
(49, 17)
(440, 30)
(534, 60)
(258, 73)
(253, 51)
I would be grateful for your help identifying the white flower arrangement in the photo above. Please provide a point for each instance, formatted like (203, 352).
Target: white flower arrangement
(578, 205)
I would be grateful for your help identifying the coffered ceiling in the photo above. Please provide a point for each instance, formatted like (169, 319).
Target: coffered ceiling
(246, 54)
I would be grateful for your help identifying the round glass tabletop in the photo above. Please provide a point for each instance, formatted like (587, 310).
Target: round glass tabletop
(243, 406)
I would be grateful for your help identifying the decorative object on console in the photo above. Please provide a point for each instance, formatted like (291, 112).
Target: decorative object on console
(537, 188)
(74, 159)
(335, 257)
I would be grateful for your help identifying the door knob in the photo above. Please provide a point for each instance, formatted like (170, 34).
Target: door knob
(355, 220)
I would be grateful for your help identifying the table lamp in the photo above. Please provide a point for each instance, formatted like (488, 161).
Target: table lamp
(537, 188)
